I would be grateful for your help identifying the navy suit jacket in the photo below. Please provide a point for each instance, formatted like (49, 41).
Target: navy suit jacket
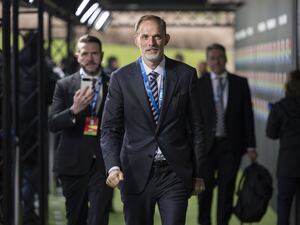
(74, 155)
(127, 112)
(239, 119)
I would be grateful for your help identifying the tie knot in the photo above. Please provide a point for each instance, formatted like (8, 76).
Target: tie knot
(153, 75)
(220, 79)
(221, 82)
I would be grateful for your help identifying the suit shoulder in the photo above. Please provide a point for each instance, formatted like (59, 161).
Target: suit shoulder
(204, 78)
(278, 103)
(125, 70)
(106, 76)
(237, 77)
(179, 65)
(68, 79)
(128, 67)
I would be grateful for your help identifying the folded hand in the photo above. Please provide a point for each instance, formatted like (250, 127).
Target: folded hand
(114, 178)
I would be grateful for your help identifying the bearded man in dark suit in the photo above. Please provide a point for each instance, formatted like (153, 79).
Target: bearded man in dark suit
(76, 113)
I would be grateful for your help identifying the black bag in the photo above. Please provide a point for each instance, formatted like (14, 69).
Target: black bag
(254, 193)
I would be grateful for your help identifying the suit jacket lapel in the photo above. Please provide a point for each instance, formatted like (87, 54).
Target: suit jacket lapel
(170, 82)
(230, 98)
(103, 89)
(211, 109)
(140, 90)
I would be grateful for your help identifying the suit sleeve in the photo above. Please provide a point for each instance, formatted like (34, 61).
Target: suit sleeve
(197, 129)
(59, 116)
(112, 125)
(273, 123)
(248, 117)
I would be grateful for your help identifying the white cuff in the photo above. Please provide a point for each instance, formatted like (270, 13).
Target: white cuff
(113, 168)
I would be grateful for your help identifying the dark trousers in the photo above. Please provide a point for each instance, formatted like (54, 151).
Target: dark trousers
(221, 170)
(163, 188)
(87, 198)
(287, 189)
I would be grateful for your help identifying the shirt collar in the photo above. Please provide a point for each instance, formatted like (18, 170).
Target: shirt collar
(159, 69)
(215, 76)
(84, 74)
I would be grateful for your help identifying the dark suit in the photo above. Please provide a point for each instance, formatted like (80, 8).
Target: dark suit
(78, 161)
(127, 108)
(224, 155)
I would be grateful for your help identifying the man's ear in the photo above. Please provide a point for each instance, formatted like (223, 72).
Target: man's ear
(136, 40)
(167, 39)
(76, 55)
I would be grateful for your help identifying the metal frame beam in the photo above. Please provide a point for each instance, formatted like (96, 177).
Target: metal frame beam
(42, 123)
(7, 139)
(214, 7)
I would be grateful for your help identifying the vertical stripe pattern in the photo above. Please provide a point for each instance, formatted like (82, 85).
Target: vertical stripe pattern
(154, 88)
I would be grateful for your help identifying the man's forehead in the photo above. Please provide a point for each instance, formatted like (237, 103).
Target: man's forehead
(148, 25)
(89, 46)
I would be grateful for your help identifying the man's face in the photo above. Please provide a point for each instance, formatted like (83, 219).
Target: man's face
(216, 61)
(151, 40)
(89, 56)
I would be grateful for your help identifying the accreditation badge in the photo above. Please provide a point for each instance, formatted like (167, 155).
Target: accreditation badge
(91, 126)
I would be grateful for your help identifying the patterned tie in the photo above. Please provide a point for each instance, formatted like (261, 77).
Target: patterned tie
(154, 88)
(220, 126)
(158, 156)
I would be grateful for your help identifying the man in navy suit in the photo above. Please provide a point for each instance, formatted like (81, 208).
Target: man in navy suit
(225, 102)
(152, 138)
(76, 114)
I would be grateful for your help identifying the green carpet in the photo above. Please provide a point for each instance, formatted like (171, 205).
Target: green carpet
(57, 213)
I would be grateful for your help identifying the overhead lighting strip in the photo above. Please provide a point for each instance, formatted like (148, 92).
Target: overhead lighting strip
(81, 7)
(89, 12)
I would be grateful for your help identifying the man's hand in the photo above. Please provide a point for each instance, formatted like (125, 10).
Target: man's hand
(252, 154)
(81, 100)
(114, 178)
(199, 186)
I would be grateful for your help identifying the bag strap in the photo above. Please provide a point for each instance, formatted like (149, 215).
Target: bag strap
(242, 179)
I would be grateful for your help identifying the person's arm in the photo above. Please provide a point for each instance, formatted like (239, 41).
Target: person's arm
(63, 116)
(273, 123)
(112, 132)
(60, 116)
(197, 129)
(248, 119)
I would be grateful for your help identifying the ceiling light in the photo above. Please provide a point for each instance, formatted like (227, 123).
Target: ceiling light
(102, 19)
(94, 16)
(89, 13)
(81, 7)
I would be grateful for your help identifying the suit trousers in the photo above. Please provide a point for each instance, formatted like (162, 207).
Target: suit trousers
(221, 171)
(287, 189)
(87, 198)
(163, 188)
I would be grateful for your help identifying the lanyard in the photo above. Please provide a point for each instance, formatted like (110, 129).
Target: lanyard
(148, 89)
(95, 97)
